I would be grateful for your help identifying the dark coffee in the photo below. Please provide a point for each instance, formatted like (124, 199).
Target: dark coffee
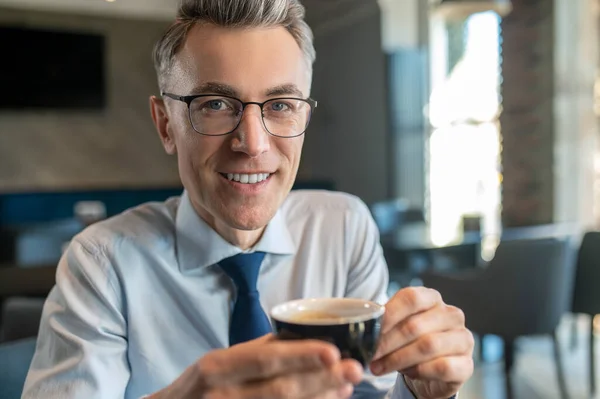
(308, 316)
(353, 325)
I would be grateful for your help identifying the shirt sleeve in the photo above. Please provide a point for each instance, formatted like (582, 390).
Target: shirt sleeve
(368, 278)
(368, 275)
(81, 348)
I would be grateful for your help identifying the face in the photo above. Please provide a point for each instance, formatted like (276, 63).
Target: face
(252, 65)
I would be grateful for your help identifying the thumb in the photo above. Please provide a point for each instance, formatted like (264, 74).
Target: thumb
(265, 339)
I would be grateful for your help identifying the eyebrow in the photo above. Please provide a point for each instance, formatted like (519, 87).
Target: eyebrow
(284, 90)
(223, 89)
(216, 88)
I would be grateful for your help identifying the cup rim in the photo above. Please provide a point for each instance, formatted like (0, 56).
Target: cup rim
(378, 311)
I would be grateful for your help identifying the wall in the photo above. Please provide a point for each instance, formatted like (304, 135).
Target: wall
(405, 40)
(115, 147)
(348, 138)
(549, 129)
(347, 141)
(527, 121)
(576, 124)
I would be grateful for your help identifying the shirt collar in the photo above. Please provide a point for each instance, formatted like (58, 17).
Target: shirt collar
(198, 245)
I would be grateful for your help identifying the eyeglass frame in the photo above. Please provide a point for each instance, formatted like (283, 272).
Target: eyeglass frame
(188, 100)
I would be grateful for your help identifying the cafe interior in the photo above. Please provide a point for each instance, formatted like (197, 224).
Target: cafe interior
(469, 127)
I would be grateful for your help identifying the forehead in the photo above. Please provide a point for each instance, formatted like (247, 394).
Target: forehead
(252, 60)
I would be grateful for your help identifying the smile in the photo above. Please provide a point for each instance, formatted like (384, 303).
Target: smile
(244, 178)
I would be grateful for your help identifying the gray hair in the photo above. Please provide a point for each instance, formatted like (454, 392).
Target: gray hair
(236, 14)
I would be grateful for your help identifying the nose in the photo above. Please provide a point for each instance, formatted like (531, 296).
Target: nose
(251, 137)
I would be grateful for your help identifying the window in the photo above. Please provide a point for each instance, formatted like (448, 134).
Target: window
(464, 176)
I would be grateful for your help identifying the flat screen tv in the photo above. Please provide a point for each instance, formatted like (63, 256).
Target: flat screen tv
(51, 69)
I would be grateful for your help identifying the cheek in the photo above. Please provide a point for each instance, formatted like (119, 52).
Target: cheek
(195, 152)
(291, 149)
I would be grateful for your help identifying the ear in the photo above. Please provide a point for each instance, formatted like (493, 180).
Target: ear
(161, 122)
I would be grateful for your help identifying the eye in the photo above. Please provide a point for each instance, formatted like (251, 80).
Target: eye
(279, 106)
(215, 105)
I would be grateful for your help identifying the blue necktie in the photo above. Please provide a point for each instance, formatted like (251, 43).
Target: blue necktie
(248, 320)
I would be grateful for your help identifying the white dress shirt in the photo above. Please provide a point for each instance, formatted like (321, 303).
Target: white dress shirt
(139, 297)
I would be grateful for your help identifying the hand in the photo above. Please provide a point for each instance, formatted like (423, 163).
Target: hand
(267, 368)
(427, 341)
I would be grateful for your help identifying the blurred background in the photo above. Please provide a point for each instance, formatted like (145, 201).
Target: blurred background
(469, 127)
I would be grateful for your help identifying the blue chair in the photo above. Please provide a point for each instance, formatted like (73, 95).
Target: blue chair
(388, 214)
(15, 359)
(586, 295)
(525, 290)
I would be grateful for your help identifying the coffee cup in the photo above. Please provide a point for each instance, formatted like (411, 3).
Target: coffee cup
(351, 324)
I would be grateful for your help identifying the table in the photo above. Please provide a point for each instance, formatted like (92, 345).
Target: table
(419, 237)
(411, 249)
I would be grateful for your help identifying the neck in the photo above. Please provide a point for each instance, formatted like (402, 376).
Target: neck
(243, 239)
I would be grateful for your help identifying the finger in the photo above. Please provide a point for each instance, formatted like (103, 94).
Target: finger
(440, 318)
(264, 339)
(330, 382)
(345, 392)
(250, 361)
(429, 347)
(259, 341)
(407, 302)
(450, 370)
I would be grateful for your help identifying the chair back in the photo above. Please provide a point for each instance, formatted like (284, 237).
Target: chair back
(388, 215)
(586, 293)
(534, 281)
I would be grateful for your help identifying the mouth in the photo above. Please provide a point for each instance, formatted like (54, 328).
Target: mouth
(247, 178)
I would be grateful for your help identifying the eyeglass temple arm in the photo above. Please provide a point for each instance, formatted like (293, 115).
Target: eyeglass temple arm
(173, 96)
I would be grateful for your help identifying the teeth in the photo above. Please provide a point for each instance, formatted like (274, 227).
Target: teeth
(248, 179)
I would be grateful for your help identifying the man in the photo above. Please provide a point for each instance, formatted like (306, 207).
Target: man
(148, 303)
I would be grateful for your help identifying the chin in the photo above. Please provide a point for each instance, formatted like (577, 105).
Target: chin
(249, 217)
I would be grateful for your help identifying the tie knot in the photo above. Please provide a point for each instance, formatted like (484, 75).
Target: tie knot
(243, 269)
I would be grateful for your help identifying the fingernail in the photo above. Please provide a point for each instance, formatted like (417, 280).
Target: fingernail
(376, 368)
(377, 354)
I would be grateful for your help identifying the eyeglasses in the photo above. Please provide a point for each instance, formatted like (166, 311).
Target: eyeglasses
(216, 115)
